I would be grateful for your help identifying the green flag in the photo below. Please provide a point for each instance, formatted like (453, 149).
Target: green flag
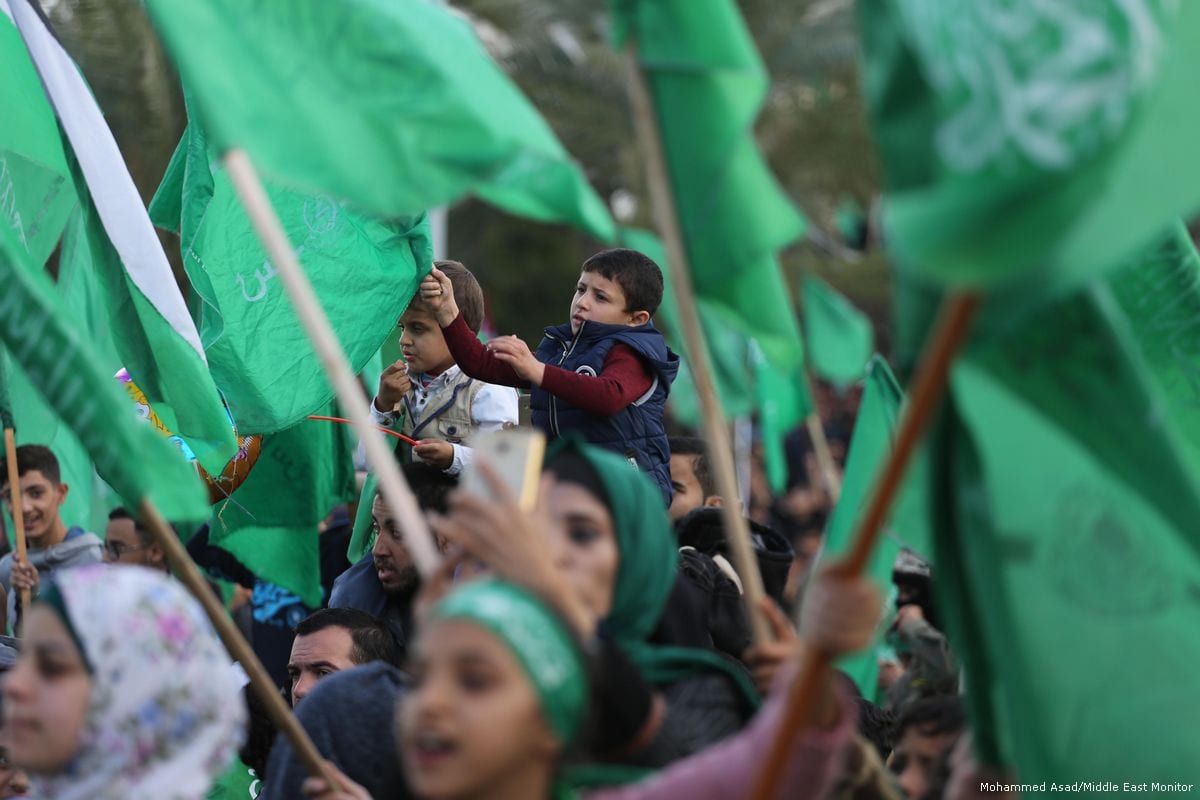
(1066, 475)
(838, 336)
(870, 446)
(270, 522)
(707, 83)
(1033, 144)
(89, 499)
(154, 334)
(364, 271)
(782, 404)
(35, 184)
(46, 342)
(1078, 630)
(394, 107)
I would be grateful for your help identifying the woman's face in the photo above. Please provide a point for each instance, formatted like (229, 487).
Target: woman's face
(46, 696)
(471, 725)
(584, 542)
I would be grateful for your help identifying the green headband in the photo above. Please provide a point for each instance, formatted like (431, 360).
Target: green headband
(536, 637)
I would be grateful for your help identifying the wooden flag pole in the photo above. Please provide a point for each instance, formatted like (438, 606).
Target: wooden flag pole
(350, 396)
(189, 575)
(816, 433)
(928, 387)
(715, 434)
(14, 490)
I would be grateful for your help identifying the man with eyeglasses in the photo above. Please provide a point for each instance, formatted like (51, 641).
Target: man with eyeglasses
(127, 542)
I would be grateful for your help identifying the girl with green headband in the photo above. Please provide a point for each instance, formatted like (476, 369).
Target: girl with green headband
(499, 693)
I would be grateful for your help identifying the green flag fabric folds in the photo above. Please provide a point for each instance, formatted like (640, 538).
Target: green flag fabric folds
(870, 446)
(838, 336)
(364, 272)
(707, 83)
(89, 499)
(35, 183)
(782, 403)
(271, 522)
(394, 107)
(45, 342)
(153, 332)
(1029, 143)
(1066, 475)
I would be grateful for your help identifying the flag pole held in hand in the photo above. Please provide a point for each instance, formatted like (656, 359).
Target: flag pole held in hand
(928, 387)
(716, 436)
(392, 484)
(14, 491)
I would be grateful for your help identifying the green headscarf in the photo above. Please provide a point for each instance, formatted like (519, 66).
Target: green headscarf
(647, 570)
(539, 640)
(649, 552)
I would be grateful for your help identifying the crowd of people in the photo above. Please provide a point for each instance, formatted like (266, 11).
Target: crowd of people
(595, 646)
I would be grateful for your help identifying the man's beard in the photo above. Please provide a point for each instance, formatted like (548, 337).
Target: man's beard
(405, 578)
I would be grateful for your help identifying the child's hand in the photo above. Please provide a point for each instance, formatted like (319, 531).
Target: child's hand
(512, 350)
(394, 383)
(435, 452)
(438, 294)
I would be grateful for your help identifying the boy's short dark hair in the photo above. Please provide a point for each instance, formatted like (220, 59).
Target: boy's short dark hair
(430, 486)
(373, 641)
(636, 273)
(932, 716)
(143, 533)
(467, 293)
(34, 457)
(694, 446)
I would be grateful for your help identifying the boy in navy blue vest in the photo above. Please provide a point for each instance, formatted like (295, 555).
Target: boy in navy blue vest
(604, 374)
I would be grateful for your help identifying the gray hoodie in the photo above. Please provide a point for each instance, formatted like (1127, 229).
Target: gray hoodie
(78, 549)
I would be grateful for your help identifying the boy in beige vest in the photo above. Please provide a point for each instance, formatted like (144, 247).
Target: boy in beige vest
(438, 404)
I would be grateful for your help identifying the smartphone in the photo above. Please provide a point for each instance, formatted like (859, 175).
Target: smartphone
(515, 454)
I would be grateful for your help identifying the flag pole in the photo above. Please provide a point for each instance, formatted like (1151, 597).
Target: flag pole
(392, 485)
(716, 436)
(816, 433)
(928, 387)
(14, 491)
(189, 575)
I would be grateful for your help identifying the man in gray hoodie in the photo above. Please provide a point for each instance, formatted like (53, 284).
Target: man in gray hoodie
(51, 544)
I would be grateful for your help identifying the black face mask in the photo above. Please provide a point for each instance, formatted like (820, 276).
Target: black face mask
(918, 591)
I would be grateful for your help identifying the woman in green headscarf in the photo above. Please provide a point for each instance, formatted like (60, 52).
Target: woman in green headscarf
(499, 693)
(611, 565)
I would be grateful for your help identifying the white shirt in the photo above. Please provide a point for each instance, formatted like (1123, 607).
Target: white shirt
(494, 407)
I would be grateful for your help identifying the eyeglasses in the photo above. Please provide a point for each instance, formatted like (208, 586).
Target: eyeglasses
(118, 549)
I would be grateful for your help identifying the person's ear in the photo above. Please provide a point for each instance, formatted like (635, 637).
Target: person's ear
(156, 554)
(63, 489)
(713, 501)
(639, 318)
(545, 743)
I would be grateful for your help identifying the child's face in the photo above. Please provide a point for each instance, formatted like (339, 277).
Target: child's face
(599, 299)
(471, 725)
(423, 345)
(46, 696)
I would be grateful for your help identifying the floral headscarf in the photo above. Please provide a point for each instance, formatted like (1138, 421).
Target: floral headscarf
(166, 711)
